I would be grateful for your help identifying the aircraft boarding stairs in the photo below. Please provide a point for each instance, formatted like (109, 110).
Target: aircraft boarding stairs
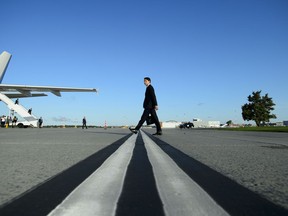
(23, 112)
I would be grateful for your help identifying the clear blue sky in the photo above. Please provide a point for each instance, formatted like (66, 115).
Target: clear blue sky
(204, 56)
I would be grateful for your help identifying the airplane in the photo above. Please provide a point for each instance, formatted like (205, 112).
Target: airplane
(8, 91)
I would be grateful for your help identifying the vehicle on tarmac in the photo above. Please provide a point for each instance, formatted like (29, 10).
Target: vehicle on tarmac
(24, 124)
(186, 125)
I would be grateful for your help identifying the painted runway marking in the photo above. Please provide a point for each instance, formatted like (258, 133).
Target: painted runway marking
(179, 193)
(99, 193)
(139, 194)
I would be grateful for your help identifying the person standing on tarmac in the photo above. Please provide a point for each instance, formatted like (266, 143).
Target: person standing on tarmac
(14, 121)
(40, 122)
(84, 123)
(150, 107)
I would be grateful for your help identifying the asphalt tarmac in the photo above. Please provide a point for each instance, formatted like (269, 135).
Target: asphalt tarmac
(255, 160)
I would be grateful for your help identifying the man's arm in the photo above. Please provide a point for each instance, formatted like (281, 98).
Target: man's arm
(153, 97)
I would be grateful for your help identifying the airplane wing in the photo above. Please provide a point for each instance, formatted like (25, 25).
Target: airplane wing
(27, 89)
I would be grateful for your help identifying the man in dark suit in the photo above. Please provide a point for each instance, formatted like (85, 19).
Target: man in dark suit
(150, 106)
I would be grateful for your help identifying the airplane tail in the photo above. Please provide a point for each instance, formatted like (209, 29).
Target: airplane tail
(4, 61)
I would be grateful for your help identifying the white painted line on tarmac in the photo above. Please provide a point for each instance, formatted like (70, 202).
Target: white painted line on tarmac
(99, 193)
(180, 195)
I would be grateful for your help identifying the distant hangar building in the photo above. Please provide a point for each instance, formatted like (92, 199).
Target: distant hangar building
(170, 124)
(198, 123)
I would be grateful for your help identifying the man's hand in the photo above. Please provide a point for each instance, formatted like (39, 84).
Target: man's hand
(156, 107)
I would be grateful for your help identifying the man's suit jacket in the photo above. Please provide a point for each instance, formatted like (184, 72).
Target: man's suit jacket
(150, 100)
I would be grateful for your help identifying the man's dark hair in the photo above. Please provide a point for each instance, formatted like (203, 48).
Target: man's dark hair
(147, 78)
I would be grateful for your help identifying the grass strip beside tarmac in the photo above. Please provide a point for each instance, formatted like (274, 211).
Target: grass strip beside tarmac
(261, 129)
